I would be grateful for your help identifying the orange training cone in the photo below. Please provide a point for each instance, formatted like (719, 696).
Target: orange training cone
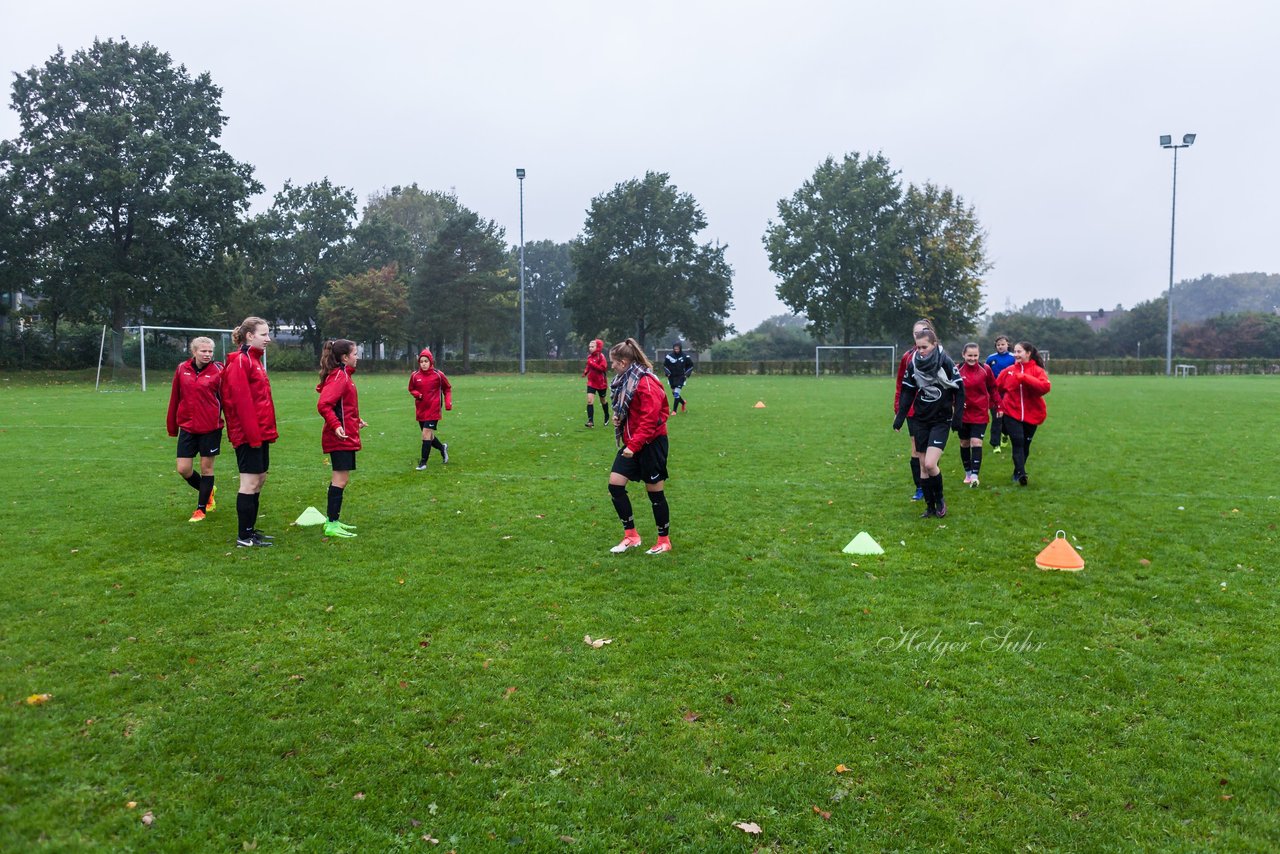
(759, 404)
(1060, 555)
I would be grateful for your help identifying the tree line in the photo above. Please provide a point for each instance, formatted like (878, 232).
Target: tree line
(119, 206)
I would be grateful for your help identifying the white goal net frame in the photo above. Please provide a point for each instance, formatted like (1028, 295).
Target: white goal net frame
(1185, 370)
(817, 354)
(185, 332)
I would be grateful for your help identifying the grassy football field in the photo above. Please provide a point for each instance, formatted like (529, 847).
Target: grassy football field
(428, 681)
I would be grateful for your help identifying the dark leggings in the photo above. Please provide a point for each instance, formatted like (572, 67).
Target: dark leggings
(1020, 434)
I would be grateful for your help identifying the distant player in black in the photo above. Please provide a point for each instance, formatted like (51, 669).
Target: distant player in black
(677, 366)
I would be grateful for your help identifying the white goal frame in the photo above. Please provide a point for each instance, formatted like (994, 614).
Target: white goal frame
(1185, 370)
(142, 345)
(817, 354)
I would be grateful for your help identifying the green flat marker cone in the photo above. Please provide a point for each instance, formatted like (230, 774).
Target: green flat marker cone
(863, 545)
(311, 516)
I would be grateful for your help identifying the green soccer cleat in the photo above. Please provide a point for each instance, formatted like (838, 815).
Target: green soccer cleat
(335, 529)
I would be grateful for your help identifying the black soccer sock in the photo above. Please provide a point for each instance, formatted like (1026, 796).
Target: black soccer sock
(936, 480)
(661, 511)
(206, 489)
(246, 513)
(194, 480)
(591, 413)
(622, 504)
(257, 502)
(966, 458)
(915, 472)
(335, 502)
(604, 409)
(436, 443)
(426, 450)
(975, 455)
(926, 487)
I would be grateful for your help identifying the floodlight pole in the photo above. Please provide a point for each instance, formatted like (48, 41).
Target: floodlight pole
(520, 176)
(1167, 142)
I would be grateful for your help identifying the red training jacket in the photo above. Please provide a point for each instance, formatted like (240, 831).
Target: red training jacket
(246, 399)
(979, 392)
(903, 364)
(194, 402)
(339, 406)
(647, 415)
(430, 388)
(597, 364)
(1021, 388)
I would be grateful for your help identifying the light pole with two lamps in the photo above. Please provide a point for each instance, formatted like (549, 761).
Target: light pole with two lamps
(520, 175)
(1166, 141)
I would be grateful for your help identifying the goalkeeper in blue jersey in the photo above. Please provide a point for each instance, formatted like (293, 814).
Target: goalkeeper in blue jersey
(678, 367)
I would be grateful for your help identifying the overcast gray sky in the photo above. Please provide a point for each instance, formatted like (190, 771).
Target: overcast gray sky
(1045, 116)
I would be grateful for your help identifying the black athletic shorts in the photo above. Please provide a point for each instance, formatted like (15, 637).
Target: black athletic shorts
(428, 425)
(930, 435)
(973, 431)
(253, 460)
(202, 444)
(648, 465)
(601, 392)
(343, 460)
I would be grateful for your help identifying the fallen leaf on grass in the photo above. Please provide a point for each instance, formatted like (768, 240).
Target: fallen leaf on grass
(131, 805)
(728, 700)
(427, 837)
(568, 840)
(597, 643)
(1227, 797)
(691, 716)
(826, 816)
(507, 694)
(358, 796)
(748, 827)
(842, 769)
(39, 699)
(148, 818)
(1145, 562)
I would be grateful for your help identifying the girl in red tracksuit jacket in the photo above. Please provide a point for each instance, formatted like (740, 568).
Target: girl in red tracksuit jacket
(979, 399)
(640, 413)
(431, 390)
(251, 422)
(339, 406)
(904, 363)
(1021, 388)
(597, 384)
(195, 417)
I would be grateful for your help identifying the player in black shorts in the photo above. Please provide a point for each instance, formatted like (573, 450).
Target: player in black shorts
(934, 390)
(640, 413)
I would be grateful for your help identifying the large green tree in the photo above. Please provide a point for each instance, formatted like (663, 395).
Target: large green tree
(548, 273)
(837, 247)
(306, 237)
(126, 196)
(465, 287)
(641, 269)
(399, 225)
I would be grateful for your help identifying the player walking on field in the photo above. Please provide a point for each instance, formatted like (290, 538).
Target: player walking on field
(251, 422)
(979, 399)
(195, 418)
(339, 406)
(597, 382)
(933, 389)
(997, 362)
(431, 392)
(640, 414)
(1021, 389)
(907, 355)
(678, 367)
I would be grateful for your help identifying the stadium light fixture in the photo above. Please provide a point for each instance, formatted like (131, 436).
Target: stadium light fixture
(520, 177)
(1166, 141)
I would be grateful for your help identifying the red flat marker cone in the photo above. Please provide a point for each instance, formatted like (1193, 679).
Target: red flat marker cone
(759, 404)
(1060, 555)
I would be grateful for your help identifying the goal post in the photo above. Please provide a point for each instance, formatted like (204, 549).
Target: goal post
(817, 354)
(172, 341)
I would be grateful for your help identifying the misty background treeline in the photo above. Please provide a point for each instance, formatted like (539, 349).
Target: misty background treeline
(119, 207)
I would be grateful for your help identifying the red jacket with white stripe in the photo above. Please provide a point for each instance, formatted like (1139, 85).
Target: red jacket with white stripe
(194, 401)
(246, 399)
(339, 406)
(907, 356)
(1021, 388)
(979, 392)
(431, 389)
(647, 415)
